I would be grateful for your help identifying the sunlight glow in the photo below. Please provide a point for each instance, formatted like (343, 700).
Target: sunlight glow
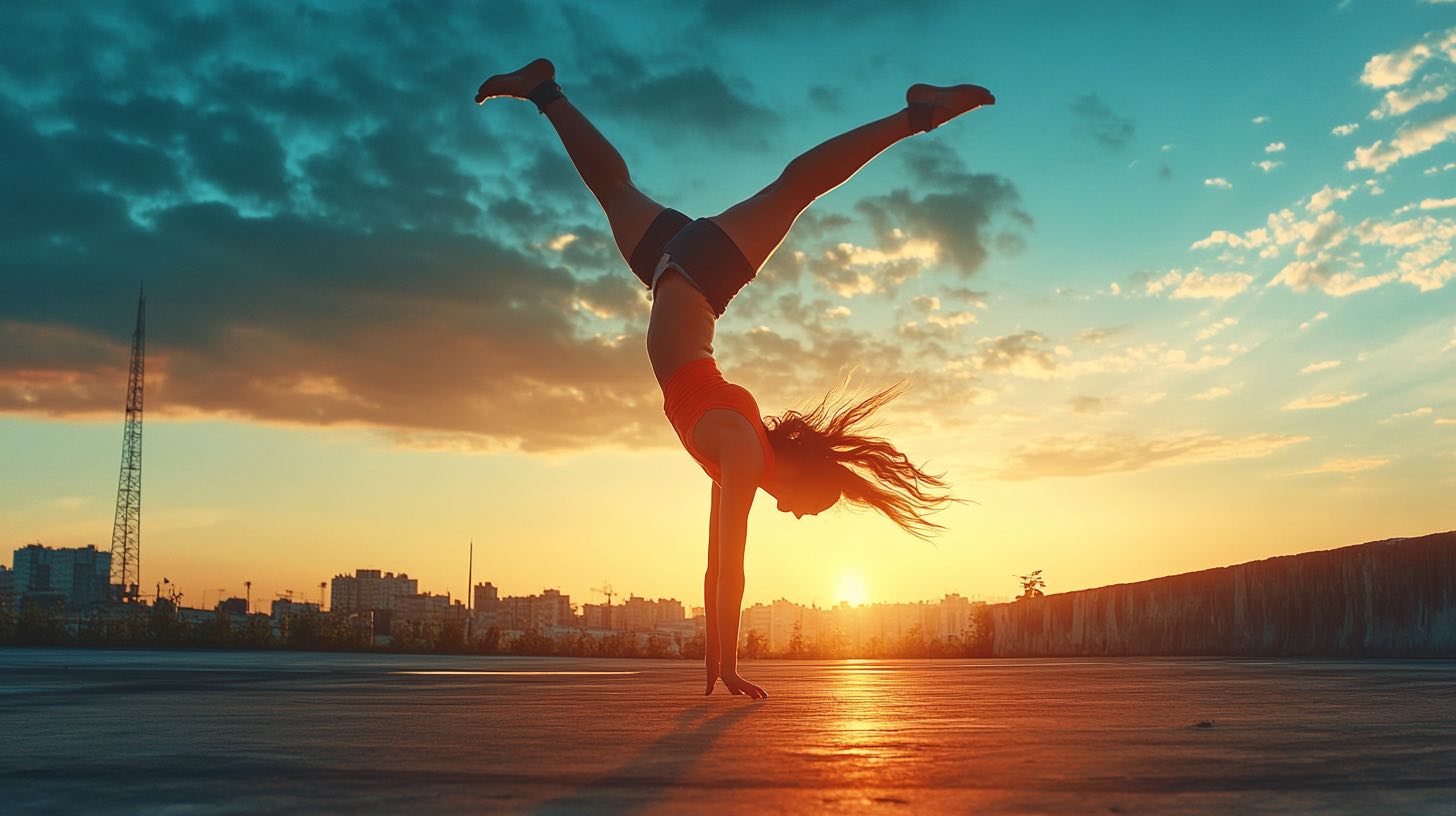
(852, 589)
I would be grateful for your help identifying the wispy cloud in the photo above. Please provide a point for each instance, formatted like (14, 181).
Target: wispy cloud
(1215, 327)
(1322, 401)
(1346, 465)
(1217, 182)
(1324, 365)
(1092, 455)
(1212, 393)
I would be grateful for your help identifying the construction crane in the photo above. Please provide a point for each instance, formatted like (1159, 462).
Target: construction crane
(606, 589)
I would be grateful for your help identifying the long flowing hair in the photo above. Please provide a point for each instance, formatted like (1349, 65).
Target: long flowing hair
(834, 441)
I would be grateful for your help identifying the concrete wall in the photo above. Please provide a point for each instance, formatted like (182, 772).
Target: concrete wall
(1393, 598)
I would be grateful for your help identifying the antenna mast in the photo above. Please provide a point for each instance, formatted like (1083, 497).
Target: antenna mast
(126, 530)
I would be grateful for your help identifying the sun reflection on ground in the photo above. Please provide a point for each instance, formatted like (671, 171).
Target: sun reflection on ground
(503, 673)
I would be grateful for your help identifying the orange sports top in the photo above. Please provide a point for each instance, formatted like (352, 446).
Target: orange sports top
(697, 388)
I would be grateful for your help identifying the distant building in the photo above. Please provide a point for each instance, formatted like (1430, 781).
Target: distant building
(7, 586)
(486, 607)
(236, 607)
(287, 608)
(370, 591)
(425, 614)
(548, 610)
(75, 577)
(603, 617)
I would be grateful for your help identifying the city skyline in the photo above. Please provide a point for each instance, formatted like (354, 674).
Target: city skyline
(326, 603)
(1165, 321)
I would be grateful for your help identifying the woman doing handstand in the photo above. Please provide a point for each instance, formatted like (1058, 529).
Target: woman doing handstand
(807, 461)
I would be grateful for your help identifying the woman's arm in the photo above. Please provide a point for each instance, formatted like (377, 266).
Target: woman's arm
(742, 469)
(712, 654)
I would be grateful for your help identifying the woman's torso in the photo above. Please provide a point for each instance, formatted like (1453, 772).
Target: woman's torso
(681, 328)
(696, 393)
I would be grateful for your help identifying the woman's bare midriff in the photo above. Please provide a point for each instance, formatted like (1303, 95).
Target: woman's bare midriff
(681, 328)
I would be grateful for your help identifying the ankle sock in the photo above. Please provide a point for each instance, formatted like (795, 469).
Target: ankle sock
(544, 94)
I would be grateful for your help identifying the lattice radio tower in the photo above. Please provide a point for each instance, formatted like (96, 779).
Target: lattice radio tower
(126, 531)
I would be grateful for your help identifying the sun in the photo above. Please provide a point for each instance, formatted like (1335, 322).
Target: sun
(852, 589)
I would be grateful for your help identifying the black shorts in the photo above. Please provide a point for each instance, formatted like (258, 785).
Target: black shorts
(700, 250)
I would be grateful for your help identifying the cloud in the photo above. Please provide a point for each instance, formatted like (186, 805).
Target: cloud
(1437, 203)
(329, 235)
(1217, 182)
(1092, 455)
(1399, 67)
(1323, 365)
(1346, 465)
(1259, 120)
(1313, 320)
(1268, 165)
(1274, 147)
(1301, 276)
(1199, 285)
(1421, 247)
(1411, 140)
(849, 270)
(1322, 401)
(1112, 131)
(1214, 328)
(1452, 343)
(1212, 393)
(1345, 130)
(1082, 404)
(1327, 195)
(963, 214)
(1023, 354)
(1417, 412)
(756, 15)
(1398, 103)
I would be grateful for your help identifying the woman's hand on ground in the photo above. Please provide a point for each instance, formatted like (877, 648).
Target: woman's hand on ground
(738, 685)
(713, 672)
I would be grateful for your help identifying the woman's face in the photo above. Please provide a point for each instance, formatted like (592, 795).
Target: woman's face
(807, 497)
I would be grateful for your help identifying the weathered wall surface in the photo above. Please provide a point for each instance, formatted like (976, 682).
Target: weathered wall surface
(1393, 598)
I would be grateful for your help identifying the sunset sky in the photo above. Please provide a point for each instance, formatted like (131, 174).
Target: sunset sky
(1184, 297)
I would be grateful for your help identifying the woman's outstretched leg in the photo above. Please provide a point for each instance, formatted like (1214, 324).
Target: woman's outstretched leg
(759, 224)
(629, 211)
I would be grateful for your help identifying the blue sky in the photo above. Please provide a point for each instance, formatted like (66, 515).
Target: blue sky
(367, 294)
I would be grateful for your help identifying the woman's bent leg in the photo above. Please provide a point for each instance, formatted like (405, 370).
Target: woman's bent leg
(759, 224)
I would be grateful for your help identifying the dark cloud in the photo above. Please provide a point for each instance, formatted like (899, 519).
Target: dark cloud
(314, 248)
(330, 233)
(667, 100)
(958, 209)
(826, 98)
(759, 13)
(1109, 130)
